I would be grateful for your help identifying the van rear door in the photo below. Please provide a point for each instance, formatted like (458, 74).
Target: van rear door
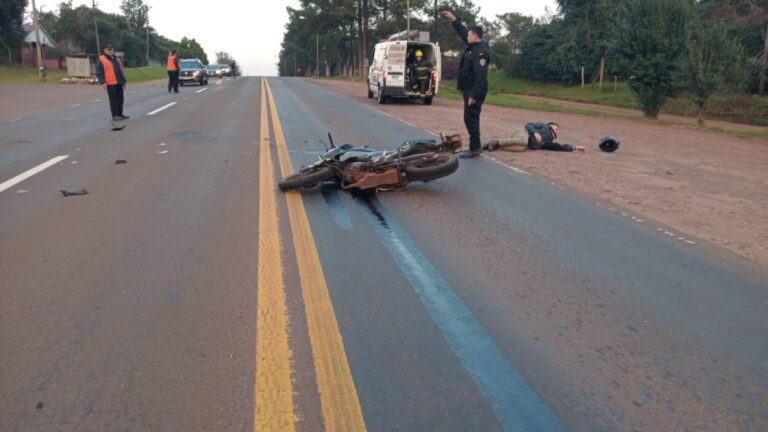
(396, 64)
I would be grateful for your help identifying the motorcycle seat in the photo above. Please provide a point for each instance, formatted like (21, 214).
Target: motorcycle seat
(363, 155)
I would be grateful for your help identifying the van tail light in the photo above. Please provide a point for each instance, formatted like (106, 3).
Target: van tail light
(385, 79)
(434, 79)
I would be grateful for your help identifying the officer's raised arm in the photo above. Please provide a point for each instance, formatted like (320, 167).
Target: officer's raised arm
(457, 25)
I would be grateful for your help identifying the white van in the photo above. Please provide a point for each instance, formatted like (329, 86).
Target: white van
(389, 75)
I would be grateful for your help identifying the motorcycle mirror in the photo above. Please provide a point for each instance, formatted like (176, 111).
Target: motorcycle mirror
(330, 138)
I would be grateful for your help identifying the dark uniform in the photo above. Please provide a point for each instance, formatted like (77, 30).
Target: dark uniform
(548, 136)
(421, 75)
(473, 82)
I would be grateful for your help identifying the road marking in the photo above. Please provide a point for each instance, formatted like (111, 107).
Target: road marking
(274, 394)
(202, 90)
(338, 395)
(516, 406)
(75, 105)
(96, 100)
(218, 83)
(16, 119)
(29, 173)
(161, 108)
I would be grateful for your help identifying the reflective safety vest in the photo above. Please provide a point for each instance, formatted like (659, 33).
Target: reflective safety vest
(110, 77)
(172, 63)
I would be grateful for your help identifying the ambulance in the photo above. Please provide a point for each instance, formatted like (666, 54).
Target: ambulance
(390, 76)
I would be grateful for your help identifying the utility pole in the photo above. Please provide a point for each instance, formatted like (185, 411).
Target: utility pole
(408, 15)
(96, 27)
(317, 54)
(40, 66)
(146, 13)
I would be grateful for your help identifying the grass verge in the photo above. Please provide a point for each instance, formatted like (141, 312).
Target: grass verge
(29, 75)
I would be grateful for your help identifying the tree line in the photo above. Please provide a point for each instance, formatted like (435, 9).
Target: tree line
(660, 47)
(74, 32)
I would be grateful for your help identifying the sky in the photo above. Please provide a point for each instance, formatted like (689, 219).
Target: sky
(251, 31)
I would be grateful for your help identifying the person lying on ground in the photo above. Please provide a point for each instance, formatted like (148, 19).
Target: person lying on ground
(535, 136)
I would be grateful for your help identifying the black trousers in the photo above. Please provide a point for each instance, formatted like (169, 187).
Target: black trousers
(472, 122)
(173, 81)
(116, 98)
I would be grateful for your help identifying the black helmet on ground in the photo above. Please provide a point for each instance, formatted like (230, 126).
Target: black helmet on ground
(609, 144)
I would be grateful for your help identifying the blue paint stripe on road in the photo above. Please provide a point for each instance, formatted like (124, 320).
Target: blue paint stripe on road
(336, 206)
(515, 405)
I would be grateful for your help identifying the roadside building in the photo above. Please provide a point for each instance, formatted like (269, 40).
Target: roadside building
(51, 58)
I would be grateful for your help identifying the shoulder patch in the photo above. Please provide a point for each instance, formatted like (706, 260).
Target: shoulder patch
(483, 62)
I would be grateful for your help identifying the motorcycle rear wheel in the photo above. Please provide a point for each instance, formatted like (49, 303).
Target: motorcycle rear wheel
(441, 166)
(306, 179)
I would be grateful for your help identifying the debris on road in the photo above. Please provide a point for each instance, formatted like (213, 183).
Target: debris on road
(21, 191)
(68, 193)
(162, 152)
(120, 161)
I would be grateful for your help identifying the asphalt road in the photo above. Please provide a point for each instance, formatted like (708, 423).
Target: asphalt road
(185, 292)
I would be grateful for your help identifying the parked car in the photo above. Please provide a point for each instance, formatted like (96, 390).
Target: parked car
(225, 70)
(389, 75)
(213, 70)
(192, 71)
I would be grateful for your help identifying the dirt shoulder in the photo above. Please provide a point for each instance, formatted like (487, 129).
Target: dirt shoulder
(663, 118)
(705, 185)
(22, 100)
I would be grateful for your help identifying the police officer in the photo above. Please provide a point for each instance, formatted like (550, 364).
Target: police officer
(109, 70)
(173, 72)
(421, 70)
(473, 79)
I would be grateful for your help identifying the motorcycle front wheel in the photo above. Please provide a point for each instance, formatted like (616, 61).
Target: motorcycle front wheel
(306, 179)
(431, 169)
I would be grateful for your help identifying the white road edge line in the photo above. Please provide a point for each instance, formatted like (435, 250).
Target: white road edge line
(25, 175)
(75, 105)
(161, 108)
(201, 90)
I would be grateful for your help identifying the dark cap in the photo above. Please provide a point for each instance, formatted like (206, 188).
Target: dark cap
(108, 47)
(173, 51)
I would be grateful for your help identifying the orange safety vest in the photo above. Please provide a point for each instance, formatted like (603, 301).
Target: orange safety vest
(110, 77)
(172, 63)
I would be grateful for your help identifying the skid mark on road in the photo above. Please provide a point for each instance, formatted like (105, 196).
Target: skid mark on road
(336, 206)
(338, 396)
(513, 402)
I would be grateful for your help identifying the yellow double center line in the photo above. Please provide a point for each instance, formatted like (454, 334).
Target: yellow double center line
(274, 394)
(338, 396)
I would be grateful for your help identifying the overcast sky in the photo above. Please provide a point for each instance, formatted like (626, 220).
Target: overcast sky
(252, 30)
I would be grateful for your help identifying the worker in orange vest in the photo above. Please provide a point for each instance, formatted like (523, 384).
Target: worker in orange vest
(109, 70)
(173, 72)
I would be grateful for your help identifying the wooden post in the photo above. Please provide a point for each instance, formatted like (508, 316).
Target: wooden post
(96, 28)
(40, 65)
(602, 72)
(582, 77)
(764, 71)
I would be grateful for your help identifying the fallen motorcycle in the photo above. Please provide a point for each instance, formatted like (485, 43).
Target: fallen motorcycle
(365, 168)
